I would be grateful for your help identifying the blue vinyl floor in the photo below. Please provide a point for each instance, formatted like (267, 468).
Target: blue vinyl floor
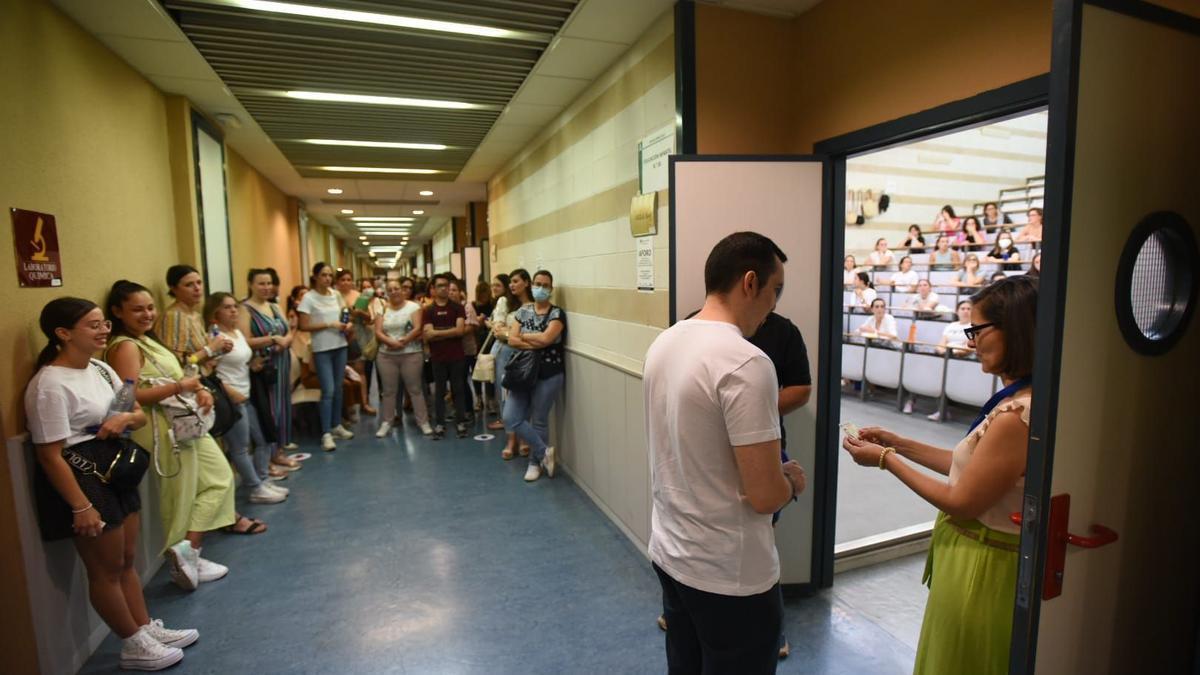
(407, 555)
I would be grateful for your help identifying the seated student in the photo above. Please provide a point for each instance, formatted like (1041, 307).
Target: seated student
(849, 271)
(864, 290)
(971, 238)
(1005, 252)
(904, 281)
(881, 256)
(996, 276)
(955, 339)
(880, 324)
(1032, 232)
(1035, 267)
(915, 242)
(969, 276)
(943, 256)
(925, 300)
(992, 216)
(946, 220)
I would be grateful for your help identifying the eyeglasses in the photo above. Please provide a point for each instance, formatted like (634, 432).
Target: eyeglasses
(972, 332)
(98, 325)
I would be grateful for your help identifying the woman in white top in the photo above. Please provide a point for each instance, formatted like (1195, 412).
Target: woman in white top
(925, 300)
(906, 279)
(66, 407)
(864, 290)
(326, 316)
(400, 358)
(849, 271)
(880, 324)
(881, 256)
(233, 368)
(968, 616)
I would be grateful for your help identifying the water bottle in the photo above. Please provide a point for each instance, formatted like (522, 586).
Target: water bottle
(345, 315)
(122, 402)
(214, 333)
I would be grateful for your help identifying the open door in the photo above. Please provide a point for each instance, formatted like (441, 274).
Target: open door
(783, 198)
(1114, 425)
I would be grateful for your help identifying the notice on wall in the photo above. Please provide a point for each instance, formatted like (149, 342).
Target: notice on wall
(645, 264)
(35, 238)
(653, 152)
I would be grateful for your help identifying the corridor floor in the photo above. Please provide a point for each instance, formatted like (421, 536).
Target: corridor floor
(407, 555)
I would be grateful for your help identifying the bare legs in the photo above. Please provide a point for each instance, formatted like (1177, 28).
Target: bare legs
(113, 585)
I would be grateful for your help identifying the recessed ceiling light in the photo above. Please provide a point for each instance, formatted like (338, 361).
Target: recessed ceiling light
(334, 97)
(347, 211)
(382, 219)
(375, 18)
(375, 169)
(426, 193)
(334, 191)
(365, 242)
(418, 212)
(377, 144)
(362, 236)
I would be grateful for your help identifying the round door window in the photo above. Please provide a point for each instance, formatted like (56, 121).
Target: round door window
(1157, 282)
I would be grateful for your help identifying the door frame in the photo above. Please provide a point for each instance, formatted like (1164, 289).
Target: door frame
(199, 124)
(1006, 101)
(1060, 174)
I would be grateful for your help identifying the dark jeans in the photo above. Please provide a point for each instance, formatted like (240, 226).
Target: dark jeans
(456, 372)
(709, 633)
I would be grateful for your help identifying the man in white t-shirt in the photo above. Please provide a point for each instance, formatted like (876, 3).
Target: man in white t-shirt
(713, 431)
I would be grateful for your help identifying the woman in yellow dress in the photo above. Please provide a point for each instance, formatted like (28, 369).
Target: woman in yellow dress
(196, 492)
(972, 564)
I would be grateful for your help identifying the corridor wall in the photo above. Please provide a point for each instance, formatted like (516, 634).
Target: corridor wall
(263, 229)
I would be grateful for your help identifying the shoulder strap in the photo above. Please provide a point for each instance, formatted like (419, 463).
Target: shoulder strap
(146, 354)
(103, 372)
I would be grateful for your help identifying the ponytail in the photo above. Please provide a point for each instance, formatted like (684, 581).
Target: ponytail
(62, 312)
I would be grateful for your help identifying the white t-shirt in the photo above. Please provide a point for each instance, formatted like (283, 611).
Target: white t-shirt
(397, 323)
(234, 367)
(61, 402)
(880, 258)
(905, 282)
(886, 326)
(868, 296)
(928, 302)
(848, 277)
(323, 309)
(707, 389)
(954, 335)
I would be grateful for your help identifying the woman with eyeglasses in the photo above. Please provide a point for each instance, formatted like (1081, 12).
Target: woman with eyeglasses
(969, 276)
(539, 327)
(195, 486)
(401, 360)
(1032, 231)
(67, 407)
(972, 565)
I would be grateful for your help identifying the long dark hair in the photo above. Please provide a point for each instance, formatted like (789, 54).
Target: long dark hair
(520, 273)
(865, 279)
(121, 291)
(509, 298)
(59, 313)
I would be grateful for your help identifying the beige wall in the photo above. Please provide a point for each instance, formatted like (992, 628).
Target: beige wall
(263, 230)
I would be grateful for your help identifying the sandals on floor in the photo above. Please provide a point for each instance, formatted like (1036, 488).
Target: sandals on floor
(506, 454)
(496, 425)
(256, 527)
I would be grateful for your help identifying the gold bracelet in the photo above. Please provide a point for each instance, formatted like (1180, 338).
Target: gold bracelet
(883, 456)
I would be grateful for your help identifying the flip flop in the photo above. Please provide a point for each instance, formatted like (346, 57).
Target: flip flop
(256, 527)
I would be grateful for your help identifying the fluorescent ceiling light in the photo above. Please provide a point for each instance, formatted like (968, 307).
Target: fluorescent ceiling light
(334, 97)
(418, 212)
(374, 17)
(385, 249)
(347, 211)
(334, 191)
(426, 193)
(376, 144)
(382, 219)
(375, 169)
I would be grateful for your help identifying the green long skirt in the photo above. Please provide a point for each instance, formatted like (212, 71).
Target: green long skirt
(968, 618)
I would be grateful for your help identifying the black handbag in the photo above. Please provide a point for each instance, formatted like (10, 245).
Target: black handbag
(521, 371)
(118, 462)
(225, 412)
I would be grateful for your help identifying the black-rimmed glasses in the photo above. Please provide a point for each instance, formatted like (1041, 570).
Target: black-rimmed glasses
(972, 332)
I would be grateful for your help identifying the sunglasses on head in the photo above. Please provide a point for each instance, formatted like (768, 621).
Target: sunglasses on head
(972, 332)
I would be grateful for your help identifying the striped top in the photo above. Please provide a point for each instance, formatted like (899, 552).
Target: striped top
(181, 330)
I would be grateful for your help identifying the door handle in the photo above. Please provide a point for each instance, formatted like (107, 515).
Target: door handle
(1057, 538)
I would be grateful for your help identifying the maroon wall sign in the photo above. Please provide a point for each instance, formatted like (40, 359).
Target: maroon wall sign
(35, 239)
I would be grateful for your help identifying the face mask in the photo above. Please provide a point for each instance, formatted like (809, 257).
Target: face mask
(1005, 243)
(541, 294)
(369, 293)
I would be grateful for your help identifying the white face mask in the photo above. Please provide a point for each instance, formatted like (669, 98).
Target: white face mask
(1005, 243)
(369, 293)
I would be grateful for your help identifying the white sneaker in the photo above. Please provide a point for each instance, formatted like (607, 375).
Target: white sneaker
(263, 494)
(908, 405)
(548, 462)
(208, 570)
(532, 473)
(327, 443)
(291, 446)
(277, 488)
(426, 429)
(169, 637)
(340, 431)
(935, 417)
(384, 429)
(182, 559)
(141, 651)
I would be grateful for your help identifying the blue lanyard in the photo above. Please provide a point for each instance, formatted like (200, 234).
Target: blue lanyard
(997, 398)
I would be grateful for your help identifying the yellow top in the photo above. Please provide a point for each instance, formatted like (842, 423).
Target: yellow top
(181, 330)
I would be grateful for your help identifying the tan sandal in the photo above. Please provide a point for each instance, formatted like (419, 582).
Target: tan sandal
(507, 454)
(524, 451)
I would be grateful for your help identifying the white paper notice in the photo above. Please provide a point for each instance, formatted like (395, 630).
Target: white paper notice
(653, 152)
(645, 264)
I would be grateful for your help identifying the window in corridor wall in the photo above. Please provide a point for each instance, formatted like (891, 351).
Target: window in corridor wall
(211, 207)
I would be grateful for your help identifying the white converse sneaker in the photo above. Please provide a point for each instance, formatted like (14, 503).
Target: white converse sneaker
(426, 429)
(181, 557)
(327, 443)
(384, 429)
(169, 637)
(277, 488)
(908, 407)
(935, 417)
(548, 462)
(340, 431)
(263, 494)
(141, 651)
(532, 473)
(208, 570)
